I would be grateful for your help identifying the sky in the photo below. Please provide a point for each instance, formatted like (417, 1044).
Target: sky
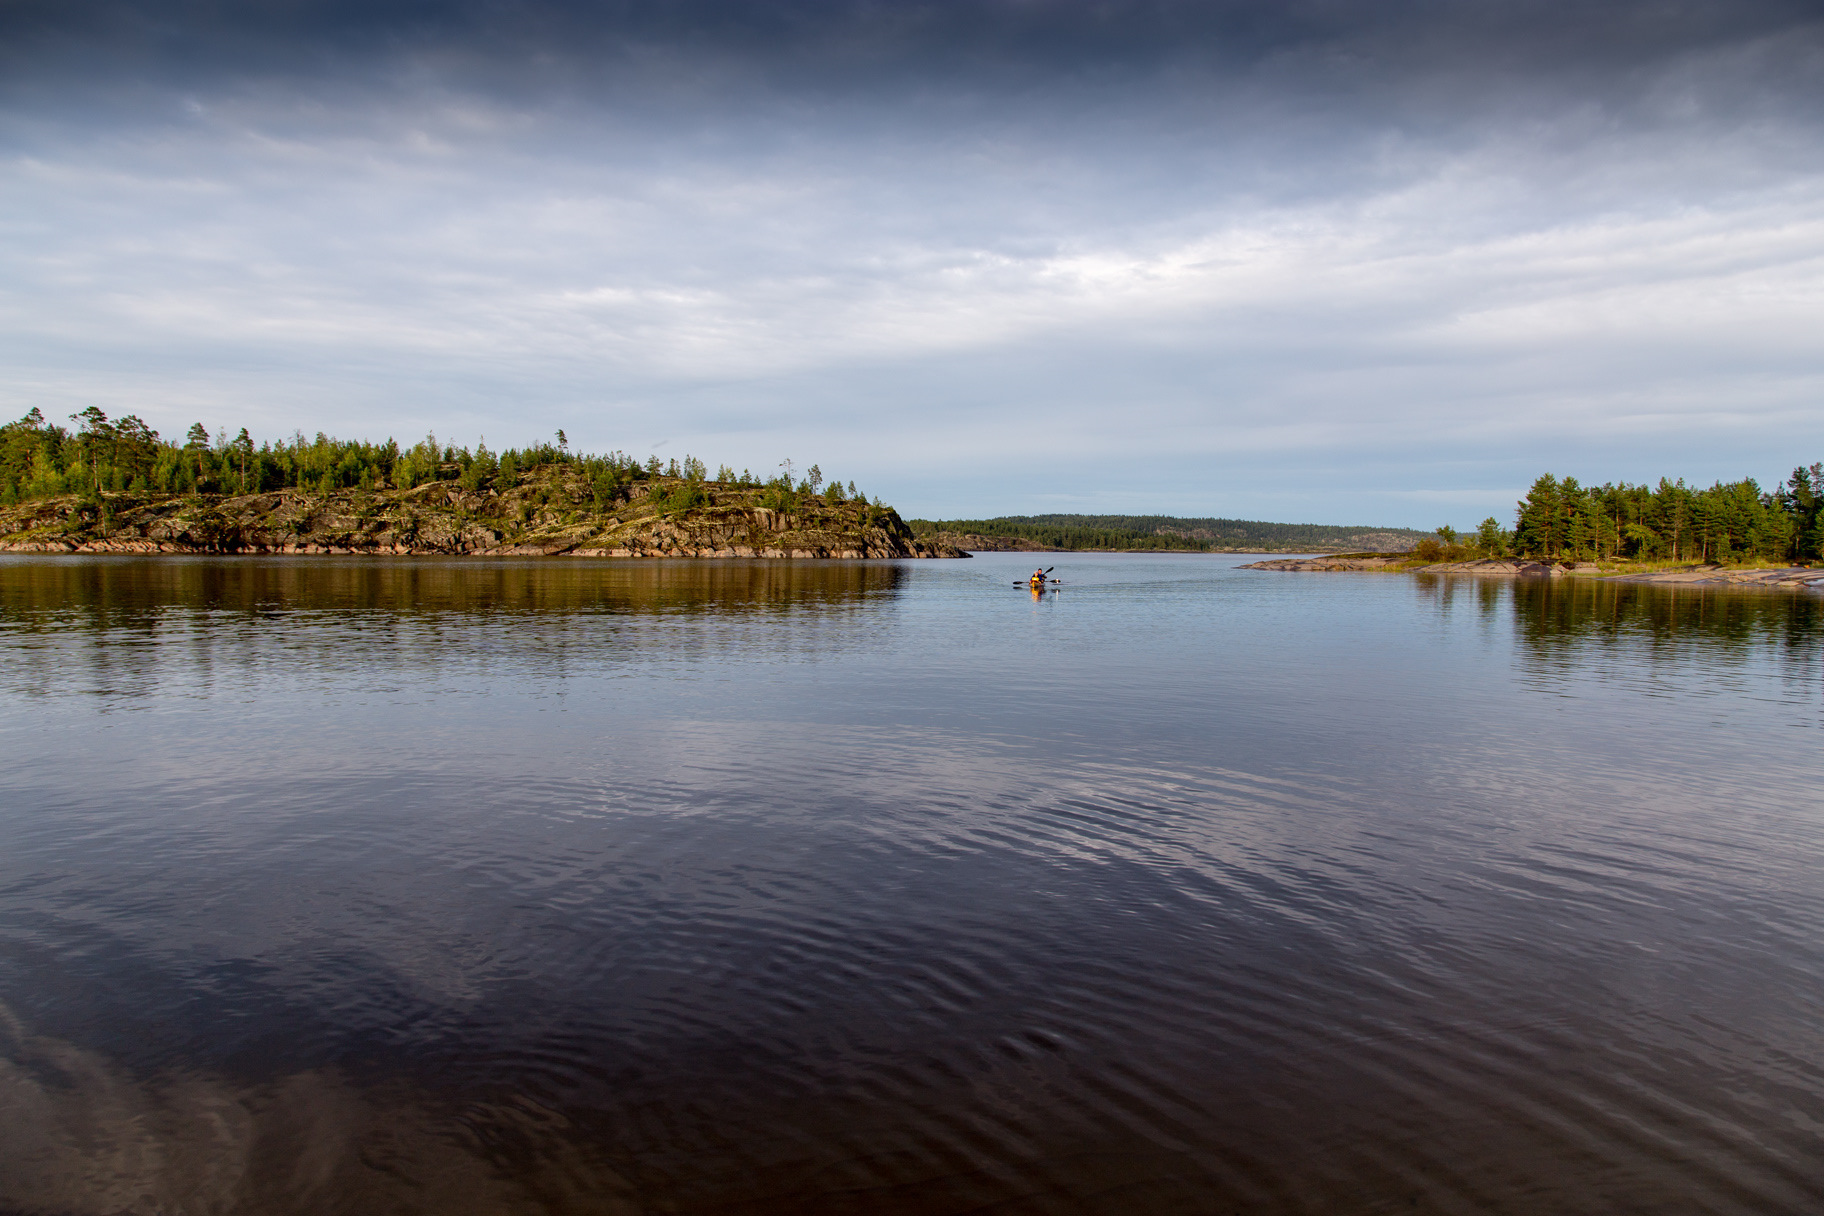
(1339, 262)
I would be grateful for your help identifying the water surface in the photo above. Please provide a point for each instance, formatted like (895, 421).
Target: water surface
(567, 886)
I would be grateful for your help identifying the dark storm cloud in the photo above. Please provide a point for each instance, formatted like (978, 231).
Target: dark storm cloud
(826, 42)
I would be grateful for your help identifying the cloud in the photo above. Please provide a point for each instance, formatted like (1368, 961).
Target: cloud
(1217, 243)
(86, 1135)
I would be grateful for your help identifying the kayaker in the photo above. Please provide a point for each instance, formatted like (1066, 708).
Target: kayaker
(1038, 576)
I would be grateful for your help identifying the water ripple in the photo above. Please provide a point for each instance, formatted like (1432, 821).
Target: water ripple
(521, 886)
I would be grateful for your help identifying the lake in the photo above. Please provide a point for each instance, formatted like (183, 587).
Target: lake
(341, 884)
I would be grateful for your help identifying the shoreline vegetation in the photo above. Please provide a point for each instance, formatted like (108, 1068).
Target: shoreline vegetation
(1671, 524)
(1728, 535)
(116, 487)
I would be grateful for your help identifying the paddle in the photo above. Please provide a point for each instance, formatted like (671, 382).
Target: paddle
(1024, 582)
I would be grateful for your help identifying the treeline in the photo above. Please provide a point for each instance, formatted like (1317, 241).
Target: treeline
(1559, 520)
(1060, 536)
(1672, 522)
(1142, 532)
(39, 459)
(1228, 533)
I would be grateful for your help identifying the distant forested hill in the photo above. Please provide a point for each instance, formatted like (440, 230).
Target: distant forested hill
(1141, 532)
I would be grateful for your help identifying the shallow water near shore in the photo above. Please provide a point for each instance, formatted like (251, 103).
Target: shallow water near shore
(738, 887)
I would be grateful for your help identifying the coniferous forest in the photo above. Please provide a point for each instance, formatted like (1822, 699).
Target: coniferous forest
(39, 459)
(1668, 522)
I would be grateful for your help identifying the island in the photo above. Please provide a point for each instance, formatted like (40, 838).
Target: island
(114, 485)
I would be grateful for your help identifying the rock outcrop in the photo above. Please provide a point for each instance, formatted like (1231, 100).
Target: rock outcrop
(1792, 578)
(1508, 566)
(1357, 561)
(547, 513)
(976, 542)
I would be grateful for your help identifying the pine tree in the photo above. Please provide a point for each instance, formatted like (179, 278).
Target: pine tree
(1535, 524)
(1490, 538)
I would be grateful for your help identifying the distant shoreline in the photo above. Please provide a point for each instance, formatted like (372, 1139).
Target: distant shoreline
(1155, 533)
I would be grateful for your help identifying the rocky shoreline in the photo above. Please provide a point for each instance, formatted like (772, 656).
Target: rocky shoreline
(1793, 578)
(551, 514)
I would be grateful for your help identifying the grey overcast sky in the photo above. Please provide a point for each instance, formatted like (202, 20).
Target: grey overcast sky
(1370, 262)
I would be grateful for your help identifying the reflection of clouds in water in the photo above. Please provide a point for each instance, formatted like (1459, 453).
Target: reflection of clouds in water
(390, 900)
(84, 1136)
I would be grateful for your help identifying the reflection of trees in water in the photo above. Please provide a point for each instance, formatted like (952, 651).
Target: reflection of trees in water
(1557, 621)
(113, 592)
(1447, 592)
(1551, 612)
(121, 625)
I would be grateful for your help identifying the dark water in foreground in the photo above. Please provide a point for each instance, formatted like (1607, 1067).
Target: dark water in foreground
(339, 886)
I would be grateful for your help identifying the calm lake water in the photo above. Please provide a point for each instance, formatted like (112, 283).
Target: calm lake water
(343, 885)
